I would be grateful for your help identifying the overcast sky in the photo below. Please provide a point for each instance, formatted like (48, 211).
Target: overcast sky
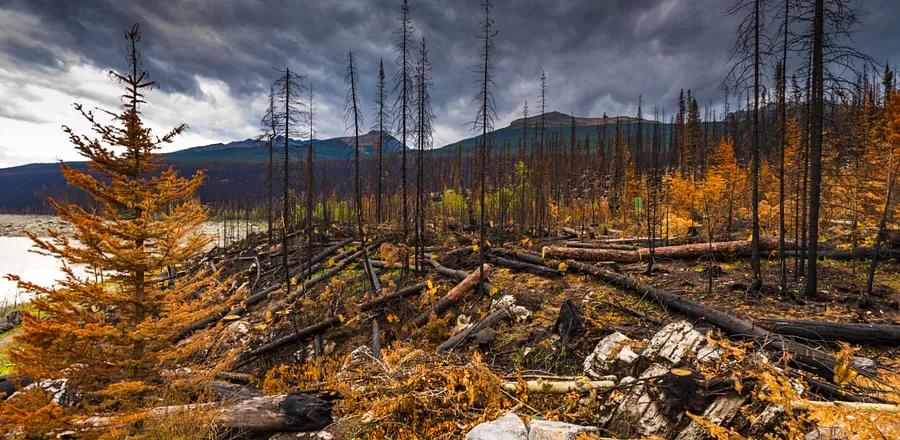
(215, 59)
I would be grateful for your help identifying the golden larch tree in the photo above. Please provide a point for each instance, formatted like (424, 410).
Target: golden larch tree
(110, 334)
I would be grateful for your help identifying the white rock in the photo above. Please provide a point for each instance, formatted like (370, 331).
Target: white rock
(236, 331)
(522, 314)
(505, 301)
(550, 430)
(639, 413)
(720, 412)
(508, 427)
(612, 353)
(57, 388)
(670, 344)
(359, 358)
(832, 432)
(463, 322)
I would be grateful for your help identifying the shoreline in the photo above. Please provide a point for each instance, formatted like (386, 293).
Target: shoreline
(16, 225)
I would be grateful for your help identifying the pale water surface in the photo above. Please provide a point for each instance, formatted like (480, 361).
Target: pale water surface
(16, 259)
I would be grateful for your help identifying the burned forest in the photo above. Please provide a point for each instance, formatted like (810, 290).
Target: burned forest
(712, 262)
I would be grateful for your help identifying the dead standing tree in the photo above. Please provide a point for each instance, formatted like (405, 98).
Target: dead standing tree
(290, 122)
(424, 118)
(380, 98)
(269, 125)
(310, 187)
(484, 122)
(748, 58)
(353, 118)
(403, 116)
(831, 64)
(539, 167)
(521, 169)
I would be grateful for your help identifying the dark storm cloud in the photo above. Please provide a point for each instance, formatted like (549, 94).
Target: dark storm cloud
(598, 55)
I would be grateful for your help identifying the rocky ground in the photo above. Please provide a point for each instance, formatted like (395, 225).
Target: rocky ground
(548, 349)
(16, 225)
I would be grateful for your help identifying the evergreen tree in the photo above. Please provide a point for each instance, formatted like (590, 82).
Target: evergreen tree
(111, 335)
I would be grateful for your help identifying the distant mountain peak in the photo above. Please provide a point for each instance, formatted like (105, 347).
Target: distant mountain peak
(555, 119)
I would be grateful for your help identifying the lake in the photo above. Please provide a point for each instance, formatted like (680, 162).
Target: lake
(16, 259)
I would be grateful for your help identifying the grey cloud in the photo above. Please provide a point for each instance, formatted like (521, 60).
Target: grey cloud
(599, 55)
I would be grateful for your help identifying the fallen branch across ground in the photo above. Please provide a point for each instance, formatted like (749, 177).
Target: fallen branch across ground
(451, 297)
(405, 292)
(285, 412)
(722, 249)
(558, 386)
(520, 266)
(299, 335)
(462, 337)
(883, 334)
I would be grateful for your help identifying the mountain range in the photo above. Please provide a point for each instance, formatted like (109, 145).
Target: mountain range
(237, 169)
(256, 151)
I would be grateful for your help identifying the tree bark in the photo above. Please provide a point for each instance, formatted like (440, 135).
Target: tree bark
(542, 271)
(285, 412)
(296, 336)
(452, 296)
(719, 249)
(815, 146)
(405, 292)
(883, 334)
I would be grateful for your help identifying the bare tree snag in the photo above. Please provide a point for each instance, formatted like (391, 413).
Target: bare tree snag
(452, 296)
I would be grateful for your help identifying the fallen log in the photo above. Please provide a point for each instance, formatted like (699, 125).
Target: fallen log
(861, 406)
(569, 231)
(405, 292)
(296, 336)
(601, 245)
(252, 299)
(451, 297)
(310, 283)
(657, 241)
(724, 249)
(321, 256)
(808, 358)
(458, 275)
(539, 270)
(857, 254)
(523, 256)
(558, 386)
(285, 412)
(881, 334)
(489, 321)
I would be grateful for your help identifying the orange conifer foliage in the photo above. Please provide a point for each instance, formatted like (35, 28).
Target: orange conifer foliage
(110, 334)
